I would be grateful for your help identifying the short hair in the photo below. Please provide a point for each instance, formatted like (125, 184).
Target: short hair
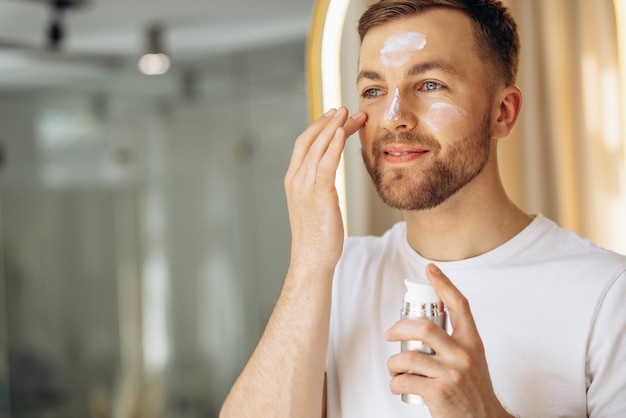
(495, 30)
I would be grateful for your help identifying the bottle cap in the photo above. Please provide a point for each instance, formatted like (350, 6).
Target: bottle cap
(420, 293)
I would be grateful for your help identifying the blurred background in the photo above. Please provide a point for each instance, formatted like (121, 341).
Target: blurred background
(143, 227)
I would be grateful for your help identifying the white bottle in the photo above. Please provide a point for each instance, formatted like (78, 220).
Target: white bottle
(420, 302)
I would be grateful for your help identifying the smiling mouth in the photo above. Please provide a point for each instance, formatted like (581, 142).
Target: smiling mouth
(402, 153)
(404, 156)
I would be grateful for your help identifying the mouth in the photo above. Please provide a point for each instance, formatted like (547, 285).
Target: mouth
(403, 154)
(400, 154)
(402, 149)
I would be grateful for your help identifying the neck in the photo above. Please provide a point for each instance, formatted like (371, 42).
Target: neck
(475, 220)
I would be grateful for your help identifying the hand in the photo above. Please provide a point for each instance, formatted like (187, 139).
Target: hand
(314, 214)
(455, 381)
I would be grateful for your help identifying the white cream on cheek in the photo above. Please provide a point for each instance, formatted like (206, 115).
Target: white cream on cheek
(440, 115)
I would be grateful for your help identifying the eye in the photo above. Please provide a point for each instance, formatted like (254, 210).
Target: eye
(431, 86)
(371, 93)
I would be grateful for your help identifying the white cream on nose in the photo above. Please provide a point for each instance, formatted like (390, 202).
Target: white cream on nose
(393, 111)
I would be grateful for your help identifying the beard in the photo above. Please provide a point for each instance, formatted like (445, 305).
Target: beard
(408, 188)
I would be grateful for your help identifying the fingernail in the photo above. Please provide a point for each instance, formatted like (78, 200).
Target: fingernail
(434, 269)
(339, 112)
(358, 115)
(330, 112)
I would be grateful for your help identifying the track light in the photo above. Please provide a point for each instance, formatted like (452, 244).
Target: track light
(155, 61)
(56, 29)
(154, 64)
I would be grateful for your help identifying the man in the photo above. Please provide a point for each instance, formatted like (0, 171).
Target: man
(546, 333)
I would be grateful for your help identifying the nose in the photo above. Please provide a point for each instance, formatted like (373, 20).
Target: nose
(398, 115)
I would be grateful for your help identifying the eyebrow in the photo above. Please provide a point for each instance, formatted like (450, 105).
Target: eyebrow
(370, 75)
(432, 65)
(414, 70)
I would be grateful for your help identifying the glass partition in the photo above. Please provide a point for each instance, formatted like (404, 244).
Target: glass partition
(144, 235)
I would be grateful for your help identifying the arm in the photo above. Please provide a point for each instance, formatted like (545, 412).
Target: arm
(454, 382)
(285, 374)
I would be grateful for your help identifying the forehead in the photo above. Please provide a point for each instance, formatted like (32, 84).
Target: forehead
(447, 35)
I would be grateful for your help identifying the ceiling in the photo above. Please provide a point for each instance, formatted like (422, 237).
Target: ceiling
(105, 37)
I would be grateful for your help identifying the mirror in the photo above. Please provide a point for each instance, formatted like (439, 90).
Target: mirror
(566, 158)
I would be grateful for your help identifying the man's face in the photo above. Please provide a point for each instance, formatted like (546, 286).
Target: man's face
(423, 86)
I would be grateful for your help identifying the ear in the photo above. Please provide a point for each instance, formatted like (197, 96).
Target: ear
(507, 105)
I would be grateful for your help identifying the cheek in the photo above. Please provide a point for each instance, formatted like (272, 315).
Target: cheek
(375, 112)
(440, 116)
(372, 107)
(367, 134)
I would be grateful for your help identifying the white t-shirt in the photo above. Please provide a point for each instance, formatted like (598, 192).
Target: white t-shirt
(550, 308)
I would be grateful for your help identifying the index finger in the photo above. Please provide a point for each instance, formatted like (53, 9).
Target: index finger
(306, 138)
(355, 122)
(458, 306)
(319, 134)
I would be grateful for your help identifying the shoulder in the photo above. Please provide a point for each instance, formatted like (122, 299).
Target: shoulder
(546, 239)
(592, 273)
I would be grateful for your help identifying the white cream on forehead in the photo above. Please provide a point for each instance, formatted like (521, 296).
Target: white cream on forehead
(397, 49)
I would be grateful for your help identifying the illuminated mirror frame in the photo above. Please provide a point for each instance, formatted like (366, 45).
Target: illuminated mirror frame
(323, 58)
(620, 13)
